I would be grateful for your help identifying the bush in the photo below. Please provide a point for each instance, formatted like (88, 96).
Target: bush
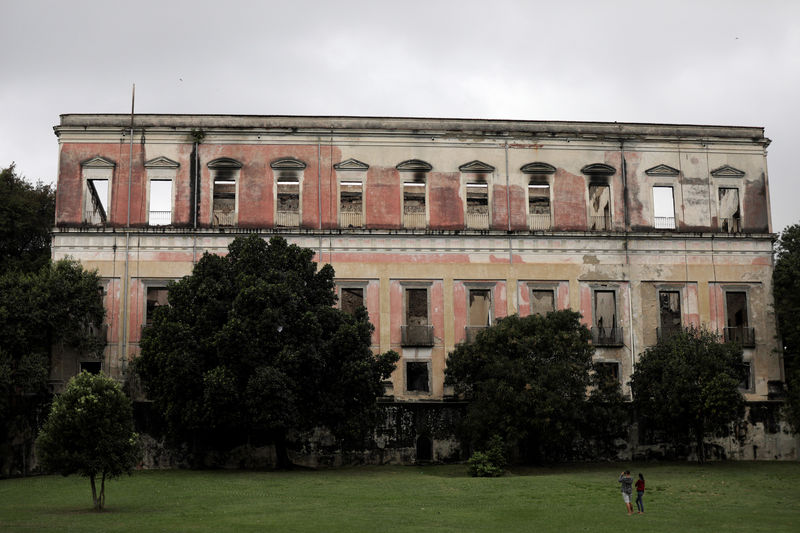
(489, 463)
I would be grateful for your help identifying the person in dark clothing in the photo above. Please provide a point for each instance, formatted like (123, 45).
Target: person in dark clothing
(640, 493)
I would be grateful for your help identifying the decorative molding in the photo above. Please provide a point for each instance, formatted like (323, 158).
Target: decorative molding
(287, 163)
(727, 171)
(224, 162)
(351, 164)
(98, 162)
(478, 167)
(538, 168)
(598, 169)
(662, 170)
(161, 162)
(414, 165)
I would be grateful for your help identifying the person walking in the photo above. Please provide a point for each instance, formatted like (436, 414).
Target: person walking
(626, 482)
(640, 493)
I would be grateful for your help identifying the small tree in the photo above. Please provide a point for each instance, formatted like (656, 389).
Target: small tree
(688, 386)
(786, 280)
(90, 432)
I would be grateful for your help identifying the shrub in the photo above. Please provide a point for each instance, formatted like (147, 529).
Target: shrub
(488, 463)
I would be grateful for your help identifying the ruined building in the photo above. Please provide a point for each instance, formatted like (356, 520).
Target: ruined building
(438, 227)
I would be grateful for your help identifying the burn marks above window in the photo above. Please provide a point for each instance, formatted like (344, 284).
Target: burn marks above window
(414, 165)
(476, 167)
(415, 193)
(599, 170)
(538, 169)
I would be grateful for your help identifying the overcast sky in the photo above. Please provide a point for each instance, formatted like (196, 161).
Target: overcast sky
(728, 62)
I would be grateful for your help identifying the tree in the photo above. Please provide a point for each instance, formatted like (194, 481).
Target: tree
(687, 386)
(786, 287)
(251, 348)
(58, 305)
(27, 213)
(526, 380)
(89, 432)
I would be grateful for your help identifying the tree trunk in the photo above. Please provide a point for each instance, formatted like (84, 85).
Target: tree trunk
(103, 492)
(95, 501)
(282, 453)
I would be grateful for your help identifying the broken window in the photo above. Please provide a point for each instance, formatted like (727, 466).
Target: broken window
(663, 208)
(729, 215)
(225, 197)
(539, 206)
(351, 204)
(746, 382)
(607, 372)
(417, 376)
(160, 212)
(542, 301)
(414, 204)
(417, 331)
(351, 299)
(92, 367)
(95, 209)
(669, 303)
(479, 312)
(287, 213)
(605, 331)
(736, 321)
(156, 296)
(478, 205)
(599, 207)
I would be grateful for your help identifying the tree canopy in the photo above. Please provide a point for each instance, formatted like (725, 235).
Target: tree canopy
(786, 286)
(526, 380)
(687, 386)
(27, 213)
(89, 432)
(251, 348)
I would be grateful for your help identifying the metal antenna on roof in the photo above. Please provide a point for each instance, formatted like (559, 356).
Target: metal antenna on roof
(126, 282)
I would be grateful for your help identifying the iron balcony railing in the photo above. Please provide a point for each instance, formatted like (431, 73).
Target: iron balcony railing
(539, 222)
(600, 223)
(730, 225)
(414, 220)
(665, 332)
(477, 220)
(417, 335)
(351, 219)
(743, 336)
(159, 218)
(287, 219)
(224, 218)
(603, 336)
(665, 222)
(472, 332)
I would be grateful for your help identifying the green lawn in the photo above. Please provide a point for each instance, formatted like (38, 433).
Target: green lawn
(720, 497)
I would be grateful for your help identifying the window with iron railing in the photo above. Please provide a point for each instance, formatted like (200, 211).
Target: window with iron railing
(351, 204)
(477, 215)
(663, 208)
(414, 205)
(539, 206)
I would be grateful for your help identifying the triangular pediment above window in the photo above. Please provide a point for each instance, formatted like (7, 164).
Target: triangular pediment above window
(478, 167)
(538, 168)
(98, 162)
(598, 169)
(288, 163)
(161, 162)
(414, 165)
(662, 170)
(727, 171)
(224, 162)
(351, 164)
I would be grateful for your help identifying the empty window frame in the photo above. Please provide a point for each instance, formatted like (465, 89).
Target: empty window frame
(605, 331)
(287, 208)
(479, 312)
(92, 367)
(414, 208)
(607, 372)
(417, 330)
(97, 174)
(224, 174)
(351, 204)
(155, 297)
(737, 327)
(160, 202)
(477, 215)
(542, 301)
(418, 376)
(663, 208)
(747, 376)
(669, 305)
(351, 298)
(599, 207)
(539, 217)
(729, 212)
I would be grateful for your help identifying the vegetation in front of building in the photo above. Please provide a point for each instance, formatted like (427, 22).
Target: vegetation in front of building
(786, 285)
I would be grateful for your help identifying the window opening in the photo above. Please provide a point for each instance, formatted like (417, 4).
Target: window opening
(599, 207)
(417, 331)
(730, 217)
(288, 211)
(607, 372)
(417, 376)
(160, 213)
(350, 204)
(479, 313)
(669, 304)
(478, 205)
(352, 298)
(746, 376)
(424, 449)
(225, 197)
(96, 209)
(605, 331)
(737, 328)
(156, 297)
(539, 206)
(92, 367)
(663, 208)
(414, 204)
(542, 301)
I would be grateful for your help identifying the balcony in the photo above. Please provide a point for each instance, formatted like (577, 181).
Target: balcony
(417, 335)
(539, 222)
(472, 332)
(351, 219)
(599, 223)
(224, 218)
(730, 225)
(287, 219)
(414, 220)
(477, 220)
(664, 333)
(607, 336)
(740, 335)
(159, 218)
(664, 222)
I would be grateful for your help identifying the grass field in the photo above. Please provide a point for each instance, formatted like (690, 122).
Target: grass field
(720, 497)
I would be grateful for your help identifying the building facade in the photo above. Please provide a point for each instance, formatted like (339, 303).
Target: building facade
(438, 227)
